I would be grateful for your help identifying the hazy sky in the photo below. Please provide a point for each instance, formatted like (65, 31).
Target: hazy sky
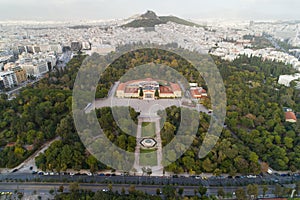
(109, 9)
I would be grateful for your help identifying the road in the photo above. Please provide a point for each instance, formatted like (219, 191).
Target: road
(209, 181)
(30, 187)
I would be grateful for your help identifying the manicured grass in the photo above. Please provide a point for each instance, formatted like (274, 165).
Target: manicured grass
(148, 157)
(148, 129)
(147, 150)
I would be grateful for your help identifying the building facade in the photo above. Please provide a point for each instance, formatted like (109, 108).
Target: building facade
(20, 74)
(148, 89)
(9, 79)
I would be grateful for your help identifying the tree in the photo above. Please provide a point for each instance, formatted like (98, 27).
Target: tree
(180, 191)
(93, 163)
(61, 188)
(123, 191)
(149, 171)
(278, 190)
(265, 189)
(240, 194)
(264, 167)
(110, 188)
(252, 190)
(221, 193)
(202, 190)
(131, 189)
(157, 191)
(51, 191)
(74, 189)
(141, 93)
(169, 191)
(156, 94)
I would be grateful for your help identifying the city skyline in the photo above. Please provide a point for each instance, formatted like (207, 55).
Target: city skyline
(64, 10)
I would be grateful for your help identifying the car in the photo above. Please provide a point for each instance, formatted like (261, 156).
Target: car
(251, 176)
(72, 173)
(283, 175)
(89, 174)
(107, 174)
(101, 174)
(33, 172)
(175, 176)
(40, 173)
(51, 173)
(46, 173)
(197, 177)
(15, 170)
(275, 180)
(237, 177)
(296, 175)
(30, 168)
(104, 190)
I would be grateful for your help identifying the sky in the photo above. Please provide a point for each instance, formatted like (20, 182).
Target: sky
(118, 9)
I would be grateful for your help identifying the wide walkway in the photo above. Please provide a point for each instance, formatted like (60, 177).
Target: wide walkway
(148, 113)
(158, 168)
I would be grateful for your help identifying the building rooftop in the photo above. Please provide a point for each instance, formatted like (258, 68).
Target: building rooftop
(290, 116)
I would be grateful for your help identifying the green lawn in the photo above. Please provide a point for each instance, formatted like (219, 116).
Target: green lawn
(148, 157)
(148, 129)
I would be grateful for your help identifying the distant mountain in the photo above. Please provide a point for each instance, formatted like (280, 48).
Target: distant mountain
(150, 19)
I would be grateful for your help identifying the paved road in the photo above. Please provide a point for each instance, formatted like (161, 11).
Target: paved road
(30, 187)
(211, 181)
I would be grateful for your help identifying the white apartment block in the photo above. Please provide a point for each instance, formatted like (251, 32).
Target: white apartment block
(9, 79)
(287, 79)
(35, 69)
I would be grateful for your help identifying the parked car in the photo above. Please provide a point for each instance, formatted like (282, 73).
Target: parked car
(197, 177)
(89, 174)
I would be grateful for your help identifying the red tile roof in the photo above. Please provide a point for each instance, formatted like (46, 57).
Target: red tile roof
(175, 87)
(121, 86)
(131, 90)
(165, 90)
(290, 115)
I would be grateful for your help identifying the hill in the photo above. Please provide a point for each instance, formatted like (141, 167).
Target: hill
(150, 19)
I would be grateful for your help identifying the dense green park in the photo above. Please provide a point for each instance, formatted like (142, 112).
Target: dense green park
(256, 128)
